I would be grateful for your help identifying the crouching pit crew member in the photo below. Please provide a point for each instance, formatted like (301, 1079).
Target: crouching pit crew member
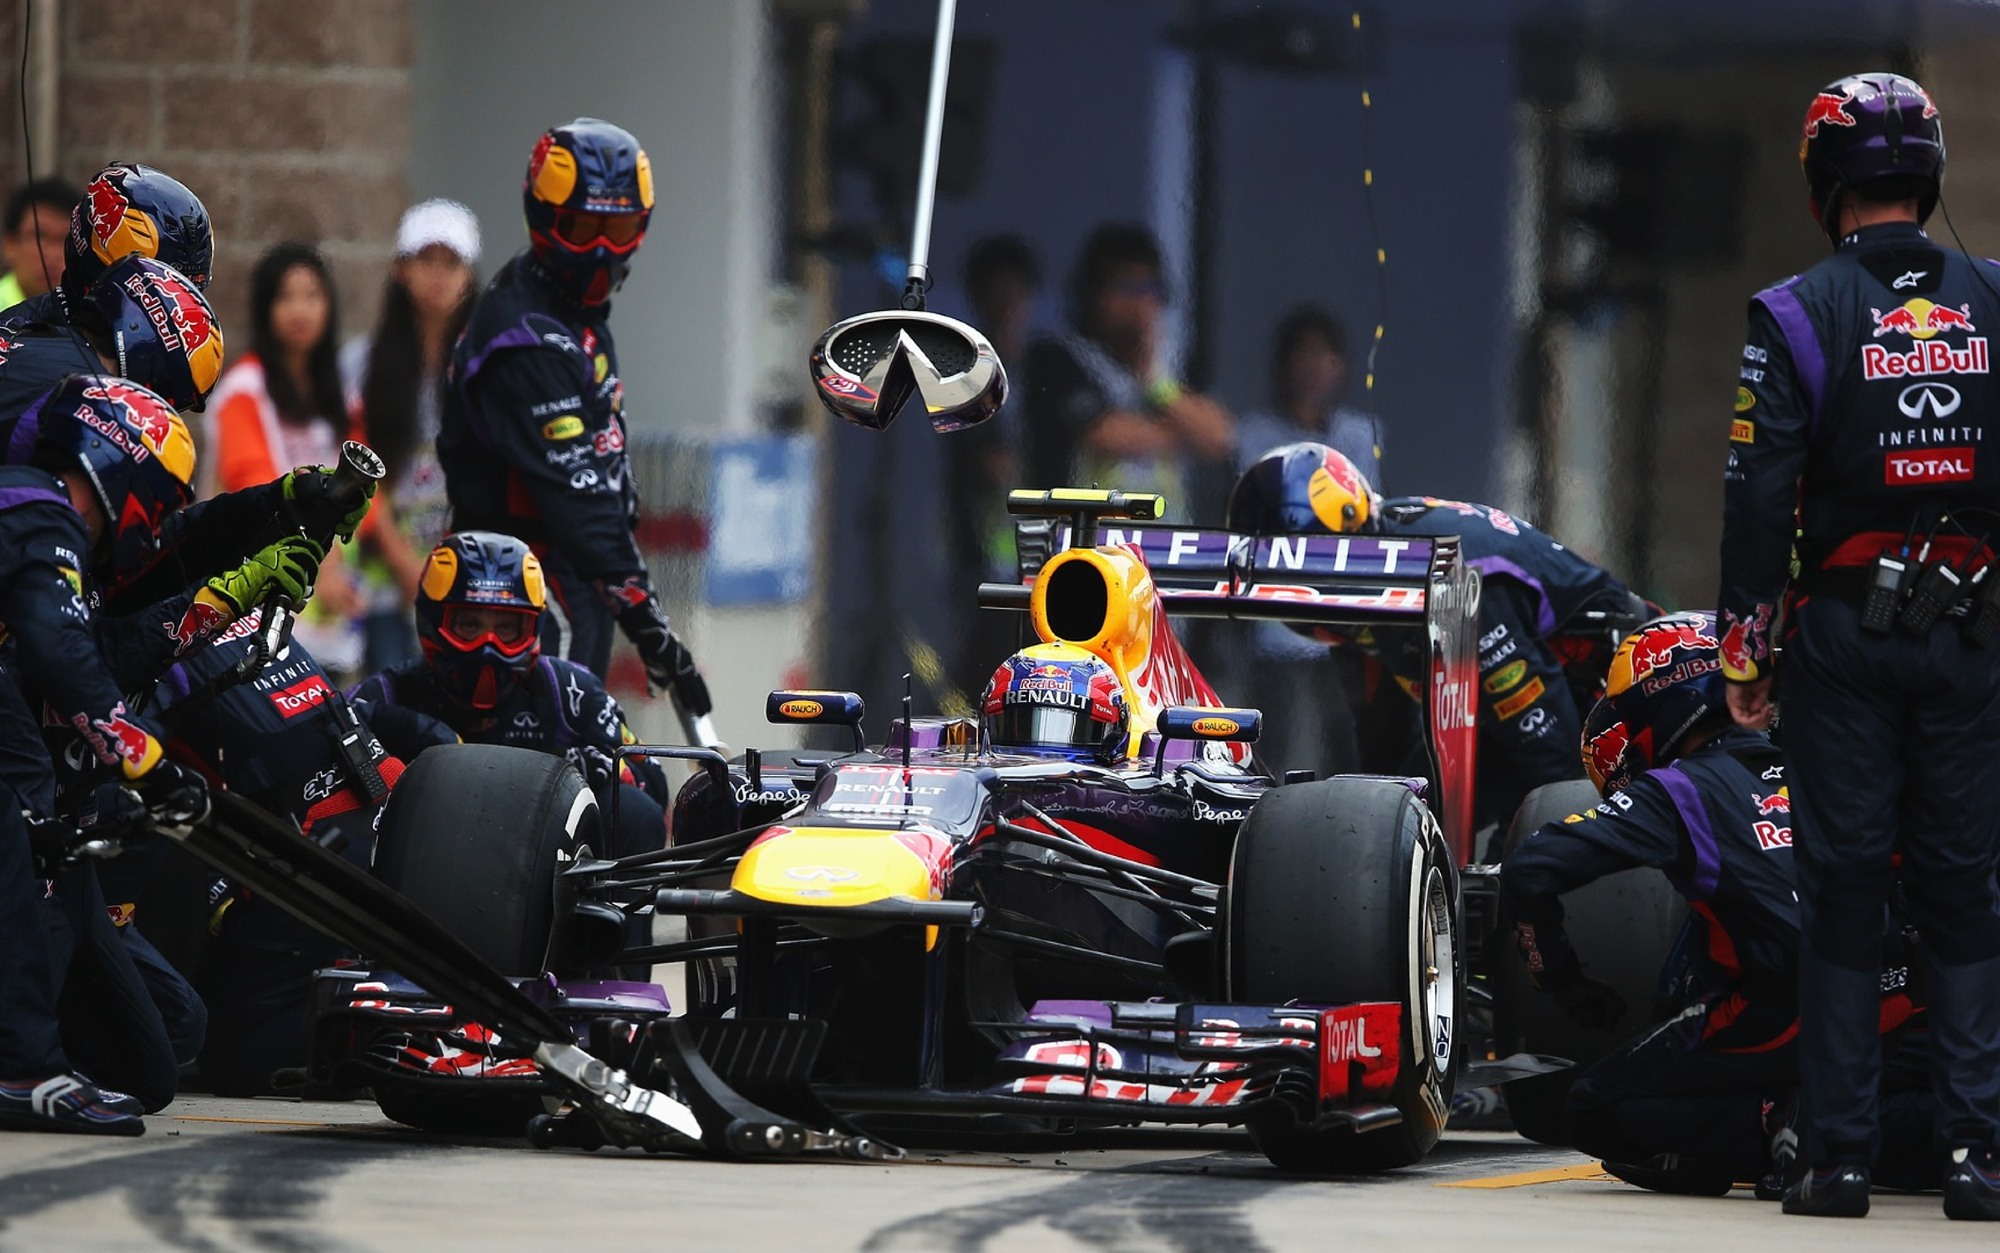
(1547, 617)
(484, 679)
(1706, 1099)
(1891, 662)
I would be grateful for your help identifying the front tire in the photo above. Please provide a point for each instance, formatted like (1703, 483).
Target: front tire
(1343, 891)
(475, 833)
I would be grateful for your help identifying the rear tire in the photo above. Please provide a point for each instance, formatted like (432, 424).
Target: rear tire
(1623, 924)
(1343, 891)
(475, 833)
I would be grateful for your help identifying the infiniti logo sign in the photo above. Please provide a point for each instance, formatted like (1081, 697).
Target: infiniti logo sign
(866, 368)
(1933, 400)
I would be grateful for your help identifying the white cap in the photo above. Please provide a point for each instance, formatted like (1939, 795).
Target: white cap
(444, 222)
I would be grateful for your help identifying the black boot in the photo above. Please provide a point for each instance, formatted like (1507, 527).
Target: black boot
(1972, 1185)
(1830, 1192)
(1667, 1173)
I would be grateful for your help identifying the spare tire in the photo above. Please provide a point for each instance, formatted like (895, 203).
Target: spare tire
(1343, 891)
(475, 834)
(1624, 926)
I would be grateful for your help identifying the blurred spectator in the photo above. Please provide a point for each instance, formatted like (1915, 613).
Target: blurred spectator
(1002, 279)
(1308, 389)
(394, 380)
(1102, 405)
(279, 407)
(37, 218)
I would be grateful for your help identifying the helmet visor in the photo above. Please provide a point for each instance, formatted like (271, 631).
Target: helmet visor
(580, 229)
(511, 631)
(1044, 726)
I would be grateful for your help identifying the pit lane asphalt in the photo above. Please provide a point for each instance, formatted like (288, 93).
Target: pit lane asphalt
(213, 1175)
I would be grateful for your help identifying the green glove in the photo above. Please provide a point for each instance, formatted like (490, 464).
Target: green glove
(314, 507)
(286, 568)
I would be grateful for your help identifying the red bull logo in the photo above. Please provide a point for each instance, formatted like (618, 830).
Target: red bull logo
(143, 410)
(1779, 803)
(1656, 647)
(1742, 644)
(202, 619)
(1606, 750)
(107, 206)
(1920, 318)
(1828, 109)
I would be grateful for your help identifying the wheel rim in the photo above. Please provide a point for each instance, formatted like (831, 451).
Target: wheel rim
(1440, 971)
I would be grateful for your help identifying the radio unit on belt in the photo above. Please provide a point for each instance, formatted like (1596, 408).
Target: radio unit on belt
(1911, 594)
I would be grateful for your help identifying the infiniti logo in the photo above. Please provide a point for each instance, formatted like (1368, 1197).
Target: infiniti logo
(1937, 400)
(829, 874)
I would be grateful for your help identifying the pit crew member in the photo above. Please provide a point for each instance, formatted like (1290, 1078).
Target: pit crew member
(484, 679)
(1703, 1100)
(109, 469)
(1535, 679)
(533, 435)
(1858, 429)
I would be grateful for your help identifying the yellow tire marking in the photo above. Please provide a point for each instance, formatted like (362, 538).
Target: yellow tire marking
(1582, 1170)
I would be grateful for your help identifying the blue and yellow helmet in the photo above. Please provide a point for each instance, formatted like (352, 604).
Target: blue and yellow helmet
(1665, 683)
(130, 209)
(479, 615)
(1301, 489)
(588, 196)
(136, 452)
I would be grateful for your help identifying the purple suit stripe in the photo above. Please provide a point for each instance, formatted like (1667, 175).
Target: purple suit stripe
(1808, 361)
(1687, 799)
(1545, 613)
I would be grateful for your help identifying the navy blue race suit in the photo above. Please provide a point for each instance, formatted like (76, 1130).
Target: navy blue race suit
(1535, 683)
(275, 739)
(1866, 393)
(43, 308)
(533, 445)
(1699, 1087)
(55, 672)
(34, 357)
(558, 708)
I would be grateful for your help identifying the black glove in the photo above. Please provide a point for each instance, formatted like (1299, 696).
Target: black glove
(175, 798)
(596, 766)
(669, 665)
(314, 507)
(1590, 1004)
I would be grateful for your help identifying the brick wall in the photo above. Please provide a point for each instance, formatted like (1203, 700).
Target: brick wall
(289, 118)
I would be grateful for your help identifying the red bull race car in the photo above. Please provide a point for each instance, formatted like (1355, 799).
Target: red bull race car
(936, 929)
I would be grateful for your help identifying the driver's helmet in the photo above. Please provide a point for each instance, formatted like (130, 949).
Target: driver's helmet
(157, 325)
(135, 209)
(479, 616)
(588, 196)
(1664, 685)
(1059, 699)
(1302, 489)
(136, 452)
(1876, 128)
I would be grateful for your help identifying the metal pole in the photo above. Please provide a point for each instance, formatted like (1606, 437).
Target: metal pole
(920, 237)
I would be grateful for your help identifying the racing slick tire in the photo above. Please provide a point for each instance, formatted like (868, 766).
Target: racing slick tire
(1343, 891)
(474, 835)
(1625, 926)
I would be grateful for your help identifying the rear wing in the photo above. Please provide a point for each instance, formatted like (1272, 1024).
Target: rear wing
(1421, 584)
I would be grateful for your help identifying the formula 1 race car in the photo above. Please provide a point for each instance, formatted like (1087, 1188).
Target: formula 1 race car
(940, 930)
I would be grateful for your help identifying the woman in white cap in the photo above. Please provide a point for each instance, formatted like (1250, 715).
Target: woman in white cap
(395, 386)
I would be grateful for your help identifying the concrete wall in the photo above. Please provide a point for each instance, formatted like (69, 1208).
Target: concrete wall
(290, 120)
